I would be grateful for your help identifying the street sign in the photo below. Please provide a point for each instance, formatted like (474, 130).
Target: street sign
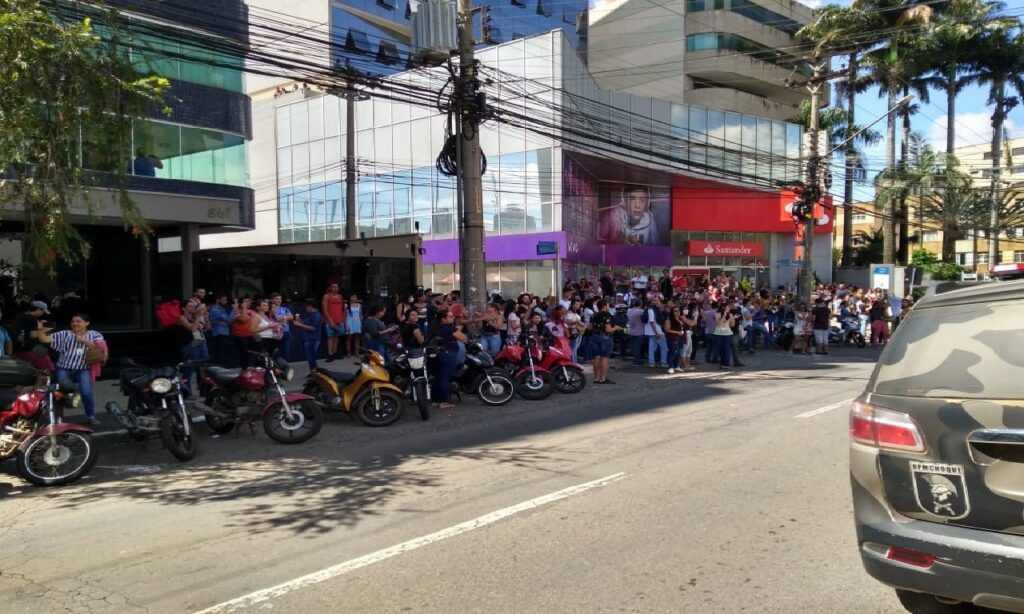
(547, 247)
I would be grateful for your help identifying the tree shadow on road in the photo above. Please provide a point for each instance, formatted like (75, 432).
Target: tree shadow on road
(349, 473)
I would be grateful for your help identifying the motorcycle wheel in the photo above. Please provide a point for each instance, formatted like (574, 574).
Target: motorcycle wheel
(380, 407)
(42, 465)
(533, 388)
(859, 340)
(499, 391)
(172, 433)
(422, 401)
(307, 420)
(569, 380)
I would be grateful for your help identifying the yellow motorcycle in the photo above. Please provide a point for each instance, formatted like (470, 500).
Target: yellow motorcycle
(368, 392)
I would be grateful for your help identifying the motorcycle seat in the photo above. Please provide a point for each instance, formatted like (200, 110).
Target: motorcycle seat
(7, 396)
(338, 376)
(223, 375)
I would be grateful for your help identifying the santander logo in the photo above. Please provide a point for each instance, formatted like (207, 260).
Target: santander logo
(725, 248)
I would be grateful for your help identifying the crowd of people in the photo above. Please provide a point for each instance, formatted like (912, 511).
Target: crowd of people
(661, 322)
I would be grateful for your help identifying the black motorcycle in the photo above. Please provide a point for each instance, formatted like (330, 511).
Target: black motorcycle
(408, 371)
(157, 407)
(479, 376)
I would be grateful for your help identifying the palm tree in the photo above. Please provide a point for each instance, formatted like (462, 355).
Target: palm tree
(953, 203)
(1000, 66)
(951, 40)
(893, 67)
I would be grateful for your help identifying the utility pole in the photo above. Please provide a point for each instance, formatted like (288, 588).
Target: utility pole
(350, 162)
(469, 111)
(812, 182)
(851, 156)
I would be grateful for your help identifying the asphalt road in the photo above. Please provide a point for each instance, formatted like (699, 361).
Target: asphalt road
(702, 492)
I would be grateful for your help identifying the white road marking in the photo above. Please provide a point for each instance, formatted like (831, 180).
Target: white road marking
(250, 600)
(822, 410)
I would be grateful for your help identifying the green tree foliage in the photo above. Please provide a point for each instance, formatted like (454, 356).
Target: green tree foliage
(938, 269)
(60, 78)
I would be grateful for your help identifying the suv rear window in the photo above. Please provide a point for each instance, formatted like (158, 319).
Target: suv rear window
(960, 351)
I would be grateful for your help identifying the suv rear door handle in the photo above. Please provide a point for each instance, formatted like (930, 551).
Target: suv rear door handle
(1012, 437)
(990, 445)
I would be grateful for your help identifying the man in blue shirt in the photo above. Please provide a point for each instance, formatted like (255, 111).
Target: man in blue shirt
(310, 323)
(145, 165)
(222, 347)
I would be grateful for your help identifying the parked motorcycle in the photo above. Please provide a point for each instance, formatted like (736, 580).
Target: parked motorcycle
(49, 452)
(236, 396)
(479, 376)
(368, 393)
(408, 371)
(156, 407)
(567, 375)
(530, 380)
(848, 331)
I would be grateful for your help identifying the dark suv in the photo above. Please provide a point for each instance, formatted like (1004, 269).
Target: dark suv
(937, 454)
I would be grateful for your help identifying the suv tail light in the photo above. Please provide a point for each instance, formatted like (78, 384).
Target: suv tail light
(884, 428)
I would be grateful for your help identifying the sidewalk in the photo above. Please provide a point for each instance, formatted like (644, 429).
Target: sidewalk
(763, 360)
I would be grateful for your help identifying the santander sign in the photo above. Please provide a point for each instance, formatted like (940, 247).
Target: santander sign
(724, 248)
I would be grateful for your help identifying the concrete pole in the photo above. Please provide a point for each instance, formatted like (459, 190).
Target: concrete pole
(851, 152)
(350, 163)
(189, 242)
(474, 279)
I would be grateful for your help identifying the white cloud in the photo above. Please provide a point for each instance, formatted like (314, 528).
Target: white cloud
(974, 128)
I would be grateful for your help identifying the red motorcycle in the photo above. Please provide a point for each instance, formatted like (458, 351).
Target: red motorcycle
(49, 452)
(234, 396)
(531, 381)
(567, 375)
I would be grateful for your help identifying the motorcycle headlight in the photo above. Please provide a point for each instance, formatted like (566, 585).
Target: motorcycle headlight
(74, 400)
(288, 374)
(160, 385)
(416, 362)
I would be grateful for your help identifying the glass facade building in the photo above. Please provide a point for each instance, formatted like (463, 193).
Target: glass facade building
(526, 196)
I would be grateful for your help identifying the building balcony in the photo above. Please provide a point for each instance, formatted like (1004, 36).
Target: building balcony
(729, 99)
(754, 76)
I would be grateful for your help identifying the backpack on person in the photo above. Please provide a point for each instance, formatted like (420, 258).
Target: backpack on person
(167, 313)
(646, 316)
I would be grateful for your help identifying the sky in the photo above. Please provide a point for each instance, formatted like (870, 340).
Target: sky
(972, 121)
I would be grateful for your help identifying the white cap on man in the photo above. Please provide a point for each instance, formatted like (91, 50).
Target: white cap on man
(41, 305)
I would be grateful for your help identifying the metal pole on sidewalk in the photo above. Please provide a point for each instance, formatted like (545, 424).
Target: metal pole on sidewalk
(350, 162)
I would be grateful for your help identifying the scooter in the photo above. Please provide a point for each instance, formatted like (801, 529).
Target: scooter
(530, 380)
(234, 396)
(49, 451)
(156, 406)
(848, 331)
(368, 393)
(567, 375)
(479, 376)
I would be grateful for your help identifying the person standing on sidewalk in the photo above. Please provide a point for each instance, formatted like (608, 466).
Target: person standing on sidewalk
(26, 330)
(73, 347)
(636, 331)
(722, 334)
(222, 349)
(310, 326)
(266, 328)
(354, 324)
(654, 330)
(242, 330)
(332, 306)
(284, 317)
(821, 315)
(192, 327)
(602, 326)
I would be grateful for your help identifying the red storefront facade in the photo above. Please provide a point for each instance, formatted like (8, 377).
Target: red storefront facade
(744, 232)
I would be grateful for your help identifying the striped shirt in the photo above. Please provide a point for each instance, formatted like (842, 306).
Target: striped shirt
(71, 353)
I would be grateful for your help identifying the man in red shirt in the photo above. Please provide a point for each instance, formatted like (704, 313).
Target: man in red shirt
(333, 309)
